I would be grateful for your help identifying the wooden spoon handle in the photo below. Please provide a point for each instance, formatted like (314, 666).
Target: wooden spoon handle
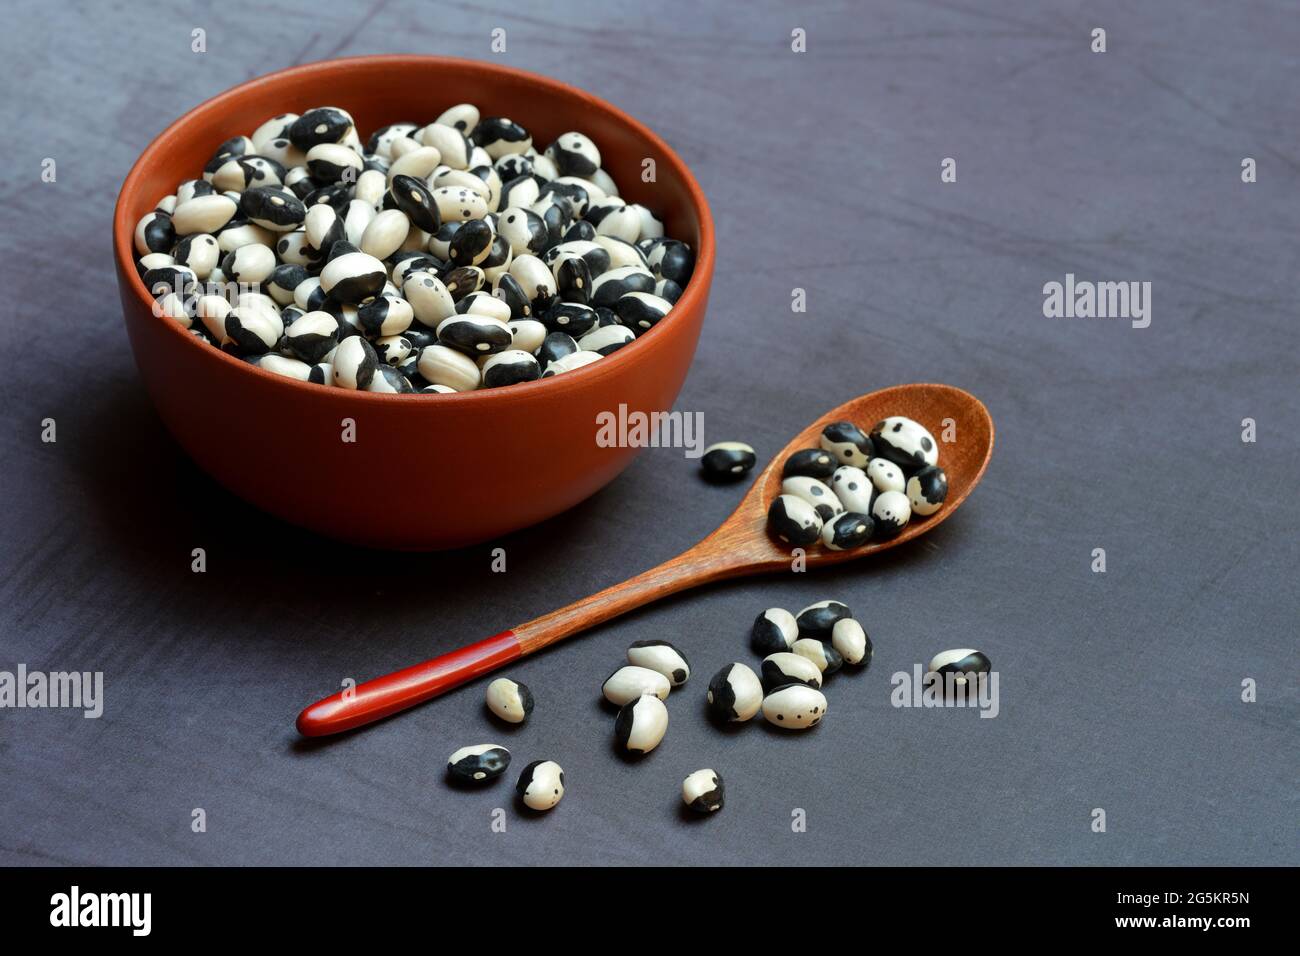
(387, 695)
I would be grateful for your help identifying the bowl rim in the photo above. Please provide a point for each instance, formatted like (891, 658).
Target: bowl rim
(693, 295)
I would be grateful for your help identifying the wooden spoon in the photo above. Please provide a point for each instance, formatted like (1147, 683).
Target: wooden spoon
(740, 546)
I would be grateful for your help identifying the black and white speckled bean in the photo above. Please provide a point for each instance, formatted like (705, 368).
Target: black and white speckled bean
(703, 791)
(570, 317)
(724, 460)
(326, 124)
(413, 197)
(388, 380)
(774, 630)
(891, 511)
(815, 493)
(254, 327)
(631, 681)
(208, 214)
(810, 462)
(663, 657)
(735, 694)
(823, 655)
(959, 666)
(509, 700)
(474, 335)
(555, 346)
(478, 763)
(528, 335)
(541, 785)
(353, 277)
(794, 521)
(385, 315)
(611, 286)
(818, 620)
(849, 638)
(787, 667)
(854, 489)
(641, 724)
(605, 340)
(927, 490)
(154, 233)
(510, 367)
(848, 443)
(641, 310)
(848, 530)
(312, 336)
(354, 363)
(440, 365)
(568, 363)
(795, 707)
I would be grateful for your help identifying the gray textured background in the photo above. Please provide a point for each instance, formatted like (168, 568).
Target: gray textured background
(1119, 690)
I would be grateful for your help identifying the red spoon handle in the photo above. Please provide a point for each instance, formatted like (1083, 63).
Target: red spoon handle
(384, 696)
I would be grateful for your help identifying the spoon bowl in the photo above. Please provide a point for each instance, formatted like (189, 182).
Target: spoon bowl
(740, 546)
(942, 409)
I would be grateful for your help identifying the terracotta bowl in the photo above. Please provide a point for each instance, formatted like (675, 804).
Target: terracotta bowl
(430, 471)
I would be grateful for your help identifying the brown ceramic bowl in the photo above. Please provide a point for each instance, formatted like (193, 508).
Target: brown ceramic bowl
(425, 471)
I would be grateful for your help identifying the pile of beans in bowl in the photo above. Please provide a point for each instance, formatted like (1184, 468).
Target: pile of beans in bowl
(437, 258)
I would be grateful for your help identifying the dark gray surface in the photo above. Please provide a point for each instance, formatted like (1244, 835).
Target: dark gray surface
(1119, 691)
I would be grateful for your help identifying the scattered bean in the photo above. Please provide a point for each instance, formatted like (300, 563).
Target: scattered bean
(510, 700)
(735, 693)
(479, 762)
(703, 791)
(818, 620)
(727, 461)
(787, 667)
(630, 682)
(541, 785)
(852, 642)
(662, 657)
(959, 665)
(824, 656)
(774, 630)
(641, 724)
(794, 707)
